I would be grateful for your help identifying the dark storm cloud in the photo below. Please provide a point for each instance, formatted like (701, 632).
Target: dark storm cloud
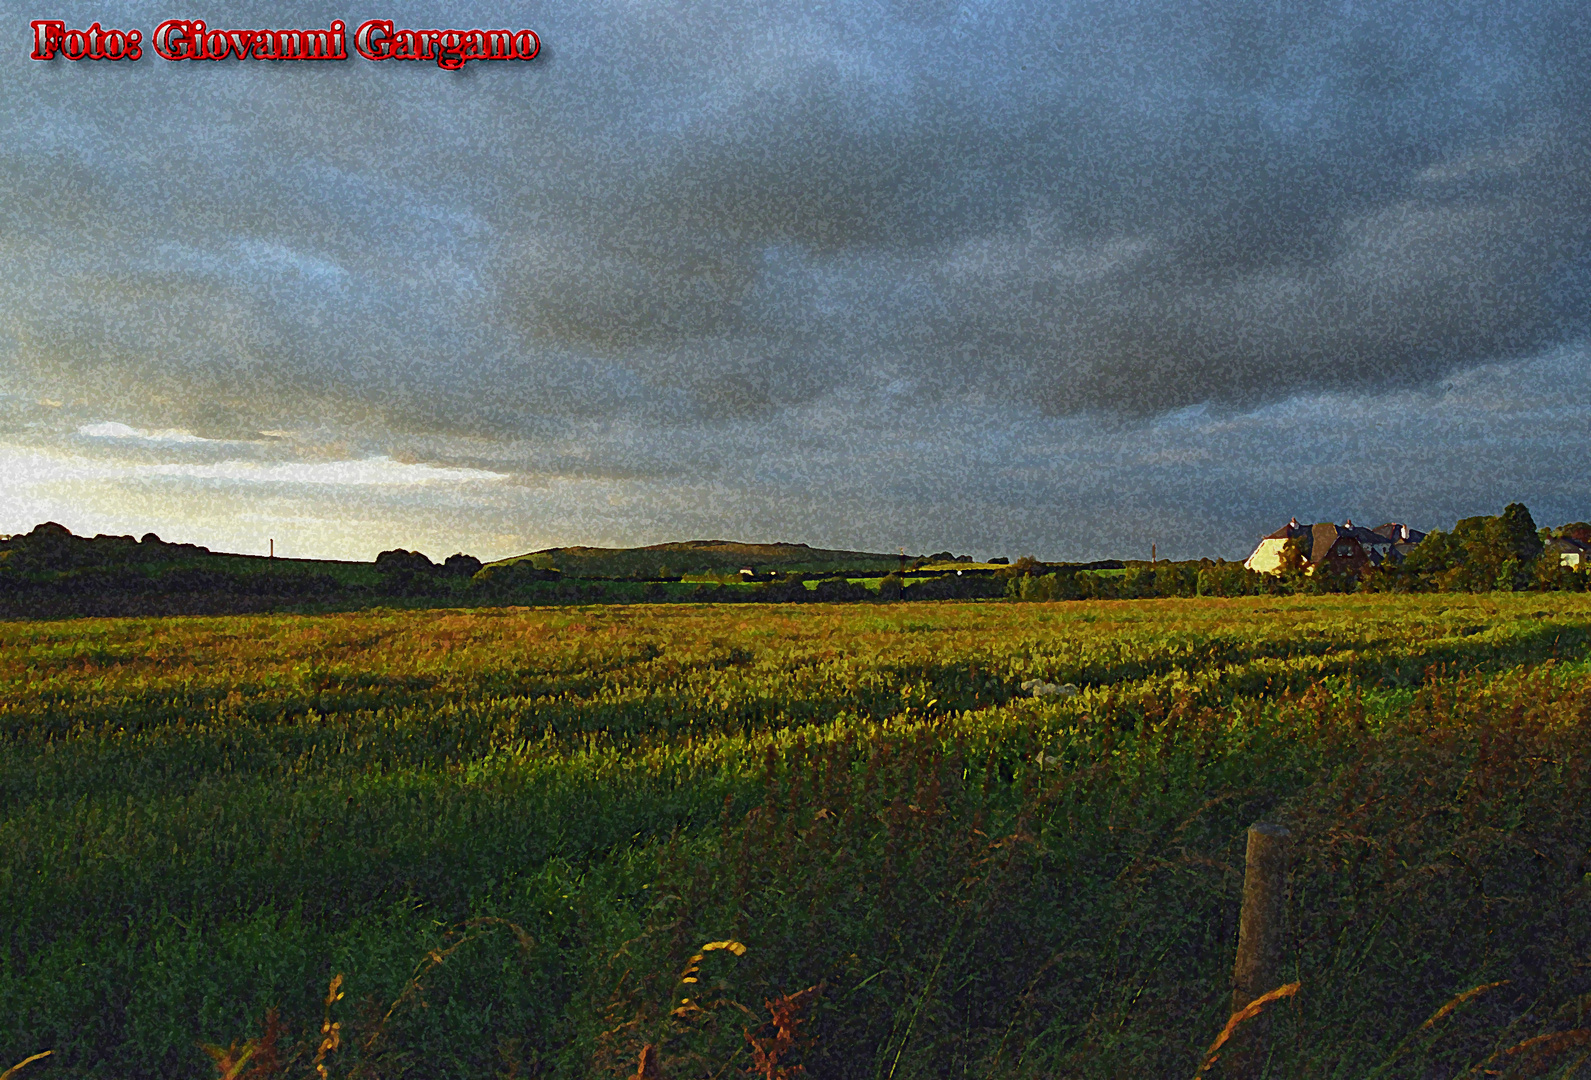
(704, 211)
(1132, 207)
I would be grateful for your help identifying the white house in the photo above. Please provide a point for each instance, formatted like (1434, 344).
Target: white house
(1345, 548)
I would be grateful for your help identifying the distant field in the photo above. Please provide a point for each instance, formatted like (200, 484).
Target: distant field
(700, 557)
(510, 831)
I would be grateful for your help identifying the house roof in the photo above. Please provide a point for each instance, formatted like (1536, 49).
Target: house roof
(1399, 533)
(1324, 536)
(1366, 536)
(1287, 532)
(1319, 539)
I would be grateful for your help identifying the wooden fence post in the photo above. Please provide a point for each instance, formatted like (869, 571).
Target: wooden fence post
(1261, 943)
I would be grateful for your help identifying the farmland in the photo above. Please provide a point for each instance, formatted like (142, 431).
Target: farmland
(508, 833)
(701, 557)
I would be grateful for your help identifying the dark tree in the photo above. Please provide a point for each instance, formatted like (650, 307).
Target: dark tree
(461, 565)
(1519, 532)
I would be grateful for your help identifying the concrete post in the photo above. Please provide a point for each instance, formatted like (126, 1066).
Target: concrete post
(1261, 942)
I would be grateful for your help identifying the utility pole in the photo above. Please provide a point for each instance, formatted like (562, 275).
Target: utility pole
(273, 548)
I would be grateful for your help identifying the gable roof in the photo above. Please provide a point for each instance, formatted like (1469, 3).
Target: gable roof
(1399, 533)
(1324, 536)
(1390, 541)
(1368, 537)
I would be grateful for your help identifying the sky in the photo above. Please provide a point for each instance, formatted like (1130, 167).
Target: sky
(1051, 278)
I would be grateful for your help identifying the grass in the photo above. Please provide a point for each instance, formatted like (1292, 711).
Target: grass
(702, 558)
(203, 821)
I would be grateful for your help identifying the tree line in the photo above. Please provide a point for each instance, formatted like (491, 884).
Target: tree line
(1503, 552)
(49, 571)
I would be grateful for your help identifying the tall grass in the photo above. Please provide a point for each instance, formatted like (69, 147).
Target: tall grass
(206, 820)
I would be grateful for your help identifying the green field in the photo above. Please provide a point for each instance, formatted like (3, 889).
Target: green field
(704, 557)
(511, 831)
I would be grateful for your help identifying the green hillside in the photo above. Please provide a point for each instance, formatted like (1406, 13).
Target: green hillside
(703, 557)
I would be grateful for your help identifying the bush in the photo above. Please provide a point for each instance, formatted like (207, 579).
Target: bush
(1234, 579)
(838, 591)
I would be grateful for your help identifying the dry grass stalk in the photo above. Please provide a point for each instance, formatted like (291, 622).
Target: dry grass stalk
(256, 1059)
(1458, 1001)
(13, 1070)
(413, 990)
(330, 1030)
(1472, 992)
(785, 1012)
(1248, 1012)
(261, 1059)
(1532, 1056)
(657, 1027)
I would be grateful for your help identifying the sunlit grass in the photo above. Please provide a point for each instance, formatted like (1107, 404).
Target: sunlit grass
(207, 818)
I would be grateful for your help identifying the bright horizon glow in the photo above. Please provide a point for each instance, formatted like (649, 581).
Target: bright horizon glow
(1122, 275)
(112, 430)
(27, 468)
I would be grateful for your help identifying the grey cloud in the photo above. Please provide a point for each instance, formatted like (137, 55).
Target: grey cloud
(687, 220)
(1318, 202)
(1199, 481)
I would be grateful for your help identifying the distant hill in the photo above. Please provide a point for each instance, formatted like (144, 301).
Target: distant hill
(51, 572)
(704, 557)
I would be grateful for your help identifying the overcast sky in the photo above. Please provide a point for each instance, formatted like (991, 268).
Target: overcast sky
(1055, 278)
